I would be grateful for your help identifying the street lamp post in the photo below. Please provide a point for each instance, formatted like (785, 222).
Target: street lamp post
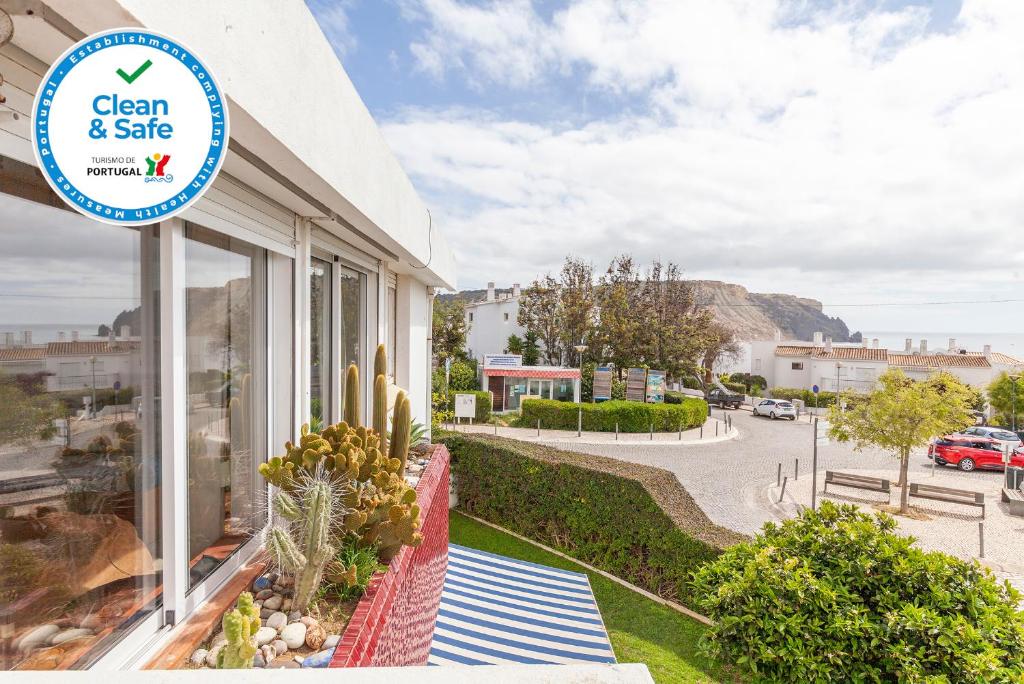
(1013, 401)
(92, 362)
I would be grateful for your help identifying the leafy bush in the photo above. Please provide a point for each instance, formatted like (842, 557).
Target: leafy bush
(748, 381)
(837, 595)
(690, 382)
(462, 377)
(735, 387)
(353, 555)
(601, 511)
(587, 381)
(632, 416)
(618, 390)
(825, 399)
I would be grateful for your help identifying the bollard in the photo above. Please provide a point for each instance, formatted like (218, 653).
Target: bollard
(579, 422)
(778, 477)
(782, 493)
(495, 429)
(652, 432)
(981, 540)
(796, 469)
(716, 428)
(680, 432)
(702, 430)
(616, 431)
(538, 427)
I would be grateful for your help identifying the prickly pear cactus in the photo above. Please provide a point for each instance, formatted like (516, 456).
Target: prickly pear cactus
(240, 627)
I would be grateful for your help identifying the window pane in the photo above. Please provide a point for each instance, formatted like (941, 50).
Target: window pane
(351, 316)
(225, 309)
(79, 427)
(319, 338)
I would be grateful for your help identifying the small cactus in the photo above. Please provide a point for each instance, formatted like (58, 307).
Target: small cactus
(240, 627)
(307, 544)
(351, 414)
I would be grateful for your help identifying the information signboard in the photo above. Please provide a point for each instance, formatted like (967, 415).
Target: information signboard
(602, 383)
(655, 386)
(636, 384)
(465, 406)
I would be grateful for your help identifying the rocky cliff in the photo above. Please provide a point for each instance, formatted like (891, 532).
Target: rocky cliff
(757, 316)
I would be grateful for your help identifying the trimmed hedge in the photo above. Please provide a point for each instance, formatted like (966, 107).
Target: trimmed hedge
(737, 387)
(634, 521)
(483, 404)
(825, 399)
(631, 416)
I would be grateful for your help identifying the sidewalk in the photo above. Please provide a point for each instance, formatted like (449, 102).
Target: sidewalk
(714, 431)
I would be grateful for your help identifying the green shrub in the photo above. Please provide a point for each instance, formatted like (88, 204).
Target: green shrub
(838, 596)
(690, 382)
(750, 382)
(735, 387)
(587, 381)
(462, 377)
(632, 416)
(608, 519)
(618, 390)
(825, 399)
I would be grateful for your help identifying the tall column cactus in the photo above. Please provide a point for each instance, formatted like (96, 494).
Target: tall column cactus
(380, 362)
(351, 415)
(401, 424)
(380, 411)
(304, 547)
(240, 627)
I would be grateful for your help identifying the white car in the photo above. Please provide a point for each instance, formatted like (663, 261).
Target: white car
(997, 433)
(775, 408)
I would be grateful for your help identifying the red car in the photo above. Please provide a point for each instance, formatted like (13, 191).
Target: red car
(970, 452)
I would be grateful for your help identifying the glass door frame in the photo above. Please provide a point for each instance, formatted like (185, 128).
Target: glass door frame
(541, 384)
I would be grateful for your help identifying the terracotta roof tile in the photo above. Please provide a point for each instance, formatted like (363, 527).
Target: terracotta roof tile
(837, 353)
(999, 357)
(89, 347)
(22, 354)
(938, 361)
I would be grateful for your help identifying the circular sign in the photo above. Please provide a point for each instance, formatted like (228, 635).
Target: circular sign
(814, 389)
(129, 126)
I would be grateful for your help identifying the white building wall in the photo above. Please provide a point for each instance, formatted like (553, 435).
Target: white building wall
(412, 365)
(492, 324)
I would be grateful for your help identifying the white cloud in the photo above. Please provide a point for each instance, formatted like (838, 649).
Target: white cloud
(847, 155)
(332, 16)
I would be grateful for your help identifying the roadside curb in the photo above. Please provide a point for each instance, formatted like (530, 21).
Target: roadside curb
(632, 440)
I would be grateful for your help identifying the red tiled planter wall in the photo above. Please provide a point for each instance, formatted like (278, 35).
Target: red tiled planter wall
(394, 622)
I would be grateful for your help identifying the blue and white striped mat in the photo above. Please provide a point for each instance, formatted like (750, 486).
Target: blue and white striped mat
(498, 610)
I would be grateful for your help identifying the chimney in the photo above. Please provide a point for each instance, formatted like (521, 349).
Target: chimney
(987, 351)
(952, 344)
(126, 332)
(924, 347)
(828, 345)
(27, 336)
(817, 338)
(515, 289)
(874, 343)
(8, 339)
(490, 292)
(74, 335)
(110, 337)
(61, 336)
(864, 343)
(908, 345)
(778, 335)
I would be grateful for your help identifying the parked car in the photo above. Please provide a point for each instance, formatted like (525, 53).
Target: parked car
(716, 395)
(997, 433)
(775, 408)
(971, 452)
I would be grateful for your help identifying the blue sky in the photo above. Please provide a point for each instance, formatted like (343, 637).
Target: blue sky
(845, 151)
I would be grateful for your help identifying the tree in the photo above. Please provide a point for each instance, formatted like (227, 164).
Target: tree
(676, 326)
(1000, 395)
(621, 331)
(718, 343)
(450, 329)
(539, 314)
(531, 350)
(24, 417)
(514, 345)
(901, 415)
(575, 306)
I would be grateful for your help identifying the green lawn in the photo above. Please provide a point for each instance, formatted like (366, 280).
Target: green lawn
(641, 630)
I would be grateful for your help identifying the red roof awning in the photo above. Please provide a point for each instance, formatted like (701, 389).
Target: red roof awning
(538, 373)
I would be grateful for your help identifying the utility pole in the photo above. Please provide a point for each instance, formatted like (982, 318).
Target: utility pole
(1013, 401)
(92, 361)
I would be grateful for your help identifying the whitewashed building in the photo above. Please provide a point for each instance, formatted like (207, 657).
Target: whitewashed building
(492, 321)
(830, 366)
(311, 247)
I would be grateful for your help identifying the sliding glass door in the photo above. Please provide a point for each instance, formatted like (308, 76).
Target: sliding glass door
(81, 554)
(320, 309)
(225, 347)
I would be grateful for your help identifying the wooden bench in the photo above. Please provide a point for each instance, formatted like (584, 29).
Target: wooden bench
(873, 484)
(1015, 498)
(950, 495)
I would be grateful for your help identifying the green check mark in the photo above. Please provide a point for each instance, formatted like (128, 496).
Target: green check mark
(130, 78)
